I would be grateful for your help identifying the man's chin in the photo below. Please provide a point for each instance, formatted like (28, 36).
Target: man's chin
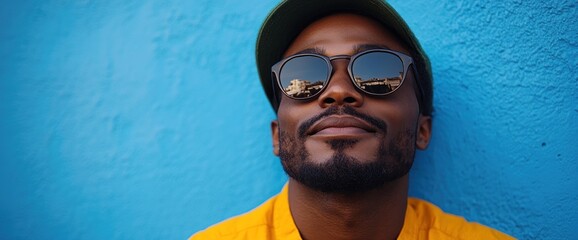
(346, 166)
(344, 174)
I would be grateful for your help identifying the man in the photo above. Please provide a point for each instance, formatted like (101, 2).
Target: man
(353, 93)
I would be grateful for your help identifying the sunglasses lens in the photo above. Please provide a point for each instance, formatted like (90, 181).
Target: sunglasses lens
(378, 72)
(304, 76)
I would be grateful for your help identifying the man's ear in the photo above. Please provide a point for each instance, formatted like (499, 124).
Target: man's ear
(275, 136)
(423, 132)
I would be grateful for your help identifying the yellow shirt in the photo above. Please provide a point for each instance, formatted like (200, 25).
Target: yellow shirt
(272, 220)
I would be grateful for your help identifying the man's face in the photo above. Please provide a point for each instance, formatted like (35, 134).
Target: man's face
(345, 140)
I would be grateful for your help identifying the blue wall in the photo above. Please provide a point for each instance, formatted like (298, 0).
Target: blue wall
(145, 119)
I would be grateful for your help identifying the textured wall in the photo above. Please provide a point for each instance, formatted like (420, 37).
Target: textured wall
(145, 119)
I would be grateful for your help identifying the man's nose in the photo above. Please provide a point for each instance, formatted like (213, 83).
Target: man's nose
(340, 90)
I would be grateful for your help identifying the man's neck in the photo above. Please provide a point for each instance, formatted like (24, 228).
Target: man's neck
(375, 214)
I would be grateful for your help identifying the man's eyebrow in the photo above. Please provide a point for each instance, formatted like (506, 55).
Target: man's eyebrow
(365, 47)
(356, 49)
(316, 50)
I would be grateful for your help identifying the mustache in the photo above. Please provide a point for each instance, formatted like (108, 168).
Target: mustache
(335, 110)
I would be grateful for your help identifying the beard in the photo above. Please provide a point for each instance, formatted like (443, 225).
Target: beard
(343, 173)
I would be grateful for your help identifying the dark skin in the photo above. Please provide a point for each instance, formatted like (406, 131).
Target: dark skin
(375, 214)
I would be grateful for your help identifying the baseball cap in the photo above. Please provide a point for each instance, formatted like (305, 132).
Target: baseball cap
(290, 17)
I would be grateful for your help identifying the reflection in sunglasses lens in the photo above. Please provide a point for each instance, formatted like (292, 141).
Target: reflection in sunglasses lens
(378, 72)
(303, 76)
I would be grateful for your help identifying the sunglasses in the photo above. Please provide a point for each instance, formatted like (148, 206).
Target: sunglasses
(377, 72)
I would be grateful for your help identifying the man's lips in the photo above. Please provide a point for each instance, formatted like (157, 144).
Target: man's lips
(340, 125)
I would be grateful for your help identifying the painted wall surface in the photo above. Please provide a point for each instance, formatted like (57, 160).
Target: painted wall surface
(145, 119)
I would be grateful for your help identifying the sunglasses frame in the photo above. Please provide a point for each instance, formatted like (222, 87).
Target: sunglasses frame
(405, 59)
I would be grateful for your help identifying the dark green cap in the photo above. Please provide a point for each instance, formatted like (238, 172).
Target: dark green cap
(290, 17)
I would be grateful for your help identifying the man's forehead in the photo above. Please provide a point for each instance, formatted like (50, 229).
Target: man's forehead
(343, 33)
